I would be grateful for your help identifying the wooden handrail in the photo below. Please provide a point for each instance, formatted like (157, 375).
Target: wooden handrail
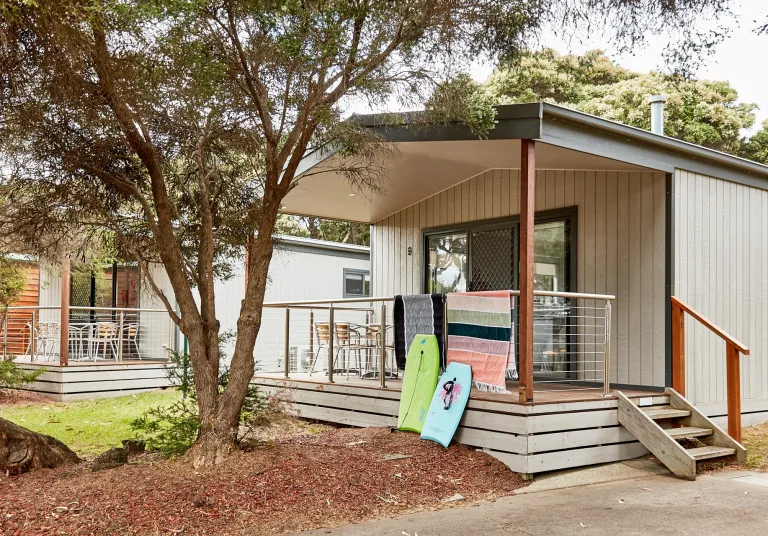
(710, 325)
(732, 362)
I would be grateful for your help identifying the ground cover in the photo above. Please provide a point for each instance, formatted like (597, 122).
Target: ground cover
(88, 427)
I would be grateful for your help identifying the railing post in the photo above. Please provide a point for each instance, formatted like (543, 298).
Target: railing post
(5, 335)
(383, 346)
(733, 379)
(311, 339)
(331, 333)
(121, 334)
(607, 352)
(32, 338)
(287, 351)
(678, 349)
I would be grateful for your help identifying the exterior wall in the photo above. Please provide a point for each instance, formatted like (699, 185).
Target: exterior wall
(621, 248)
(306, 273)
(721, 270)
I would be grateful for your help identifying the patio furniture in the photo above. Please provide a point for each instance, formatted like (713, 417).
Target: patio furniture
(76, 346)
(102, 335)
(348, 341)
(132, 337)
(44, 339)
(323, 336)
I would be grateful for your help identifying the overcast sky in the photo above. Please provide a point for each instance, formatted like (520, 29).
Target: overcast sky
(741, 59)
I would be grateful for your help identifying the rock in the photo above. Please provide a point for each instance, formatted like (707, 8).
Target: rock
(134, 446)
(110, 459)
(453, 498)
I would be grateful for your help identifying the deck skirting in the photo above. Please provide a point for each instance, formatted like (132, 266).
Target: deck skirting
(527, 438)
(88, 381)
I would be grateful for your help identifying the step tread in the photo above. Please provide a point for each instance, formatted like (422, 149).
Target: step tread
(687, 432)
(667, 412)
(704, 453)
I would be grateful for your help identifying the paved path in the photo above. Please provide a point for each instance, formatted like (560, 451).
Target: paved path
(730, 503)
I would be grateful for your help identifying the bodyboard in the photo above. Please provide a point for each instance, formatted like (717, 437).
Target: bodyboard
(421, 368)
(448, 404)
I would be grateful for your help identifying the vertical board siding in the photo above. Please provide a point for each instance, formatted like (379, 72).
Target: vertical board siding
(620, 251)
(721, 267)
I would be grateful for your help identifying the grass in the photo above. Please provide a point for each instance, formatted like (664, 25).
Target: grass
(92, 426)
(755, 439)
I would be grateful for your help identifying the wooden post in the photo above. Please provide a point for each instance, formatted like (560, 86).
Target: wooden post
(733, 379)
(678, 349)
(64, 320)
(527, 208)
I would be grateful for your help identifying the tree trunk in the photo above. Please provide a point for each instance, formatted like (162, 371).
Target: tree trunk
(23, 450)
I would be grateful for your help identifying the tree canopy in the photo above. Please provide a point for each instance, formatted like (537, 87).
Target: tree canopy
(704, 112)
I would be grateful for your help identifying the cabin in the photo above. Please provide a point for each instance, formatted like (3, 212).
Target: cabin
(119, 333)
(637, 265)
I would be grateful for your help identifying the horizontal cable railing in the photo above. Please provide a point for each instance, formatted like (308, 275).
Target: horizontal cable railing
(572, 333)
(103, 334)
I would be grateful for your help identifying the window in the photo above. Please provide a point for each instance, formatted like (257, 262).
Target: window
(357, 283)
(447, 268)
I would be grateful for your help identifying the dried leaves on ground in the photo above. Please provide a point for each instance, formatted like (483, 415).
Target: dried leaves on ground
(312, 477)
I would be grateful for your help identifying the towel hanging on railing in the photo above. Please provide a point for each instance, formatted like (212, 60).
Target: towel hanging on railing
(418, 313)
(480, 334)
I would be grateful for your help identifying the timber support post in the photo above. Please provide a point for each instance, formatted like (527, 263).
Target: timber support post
(66, 270)
(527, 208)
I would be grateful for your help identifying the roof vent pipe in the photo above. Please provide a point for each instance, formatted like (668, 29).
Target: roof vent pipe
(657, 113)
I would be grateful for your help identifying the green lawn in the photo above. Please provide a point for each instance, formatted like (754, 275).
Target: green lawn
(91, 426)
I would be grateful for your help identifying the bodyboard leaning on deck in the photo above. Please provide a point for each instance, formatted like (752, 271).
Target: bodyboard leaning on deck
(448, 403)
(421, 368)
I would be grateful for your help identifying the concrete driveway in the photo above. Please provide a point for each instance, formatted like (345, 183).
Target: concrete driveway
(729, 503)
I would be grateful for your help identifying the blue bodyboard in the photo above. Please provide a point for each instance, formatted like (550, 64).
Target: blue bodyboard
(448, 404)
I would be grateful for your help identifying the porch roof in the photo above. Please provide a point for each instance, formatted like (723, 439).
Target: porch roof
(434, 157)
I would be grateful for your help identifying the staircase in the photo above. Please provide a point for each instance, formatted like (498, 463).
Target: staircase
(661, 428)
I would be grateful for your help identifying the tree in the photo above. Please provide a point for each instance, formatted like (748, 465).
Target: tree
(756, 147)
(179, 126)
(699, 111)
(325, 229)
(11, 286)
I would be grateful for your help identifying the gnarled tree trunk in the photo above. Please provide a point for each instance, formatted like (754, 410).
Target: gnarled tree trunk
(23, 450)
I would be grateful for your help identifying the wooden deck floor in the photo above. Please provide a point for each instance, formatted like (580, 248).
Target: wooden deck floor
(544, 392)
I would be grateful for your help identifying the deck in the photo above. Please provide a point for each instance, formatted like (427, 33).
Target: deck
(82, 380)
(565, 427)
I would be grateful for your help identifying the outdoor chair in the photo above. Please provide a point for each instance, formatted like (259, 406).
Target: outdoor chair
(323, 337)
(103, 335)
(132, 337)
(348, 342)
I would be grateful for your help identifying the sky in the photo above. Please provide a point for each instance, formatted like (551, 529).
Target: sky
(740, 59)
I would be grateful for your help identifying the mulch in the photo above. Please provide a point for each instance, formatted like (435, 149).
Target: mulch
(302, 481)
(13, 397)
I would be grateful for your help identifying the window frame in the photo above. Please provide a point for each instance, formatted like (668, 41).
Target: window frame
(355, 271)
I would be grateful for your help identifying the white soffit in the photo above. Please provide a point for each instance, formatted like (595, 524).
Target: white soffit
(421, 169)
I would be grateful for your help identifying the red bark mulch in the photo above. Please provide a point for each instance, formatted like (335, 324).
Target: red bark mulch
(12, 397)
(301, 482)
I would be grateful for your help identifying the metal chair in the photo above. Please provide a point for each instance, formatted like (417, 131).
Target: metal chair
(132, 336)
(103, 334)
(323, 337)
(348, 341)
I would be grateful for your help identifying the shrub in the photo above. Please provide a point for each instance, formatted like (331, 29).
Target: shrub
(12, 377)
(171, 430)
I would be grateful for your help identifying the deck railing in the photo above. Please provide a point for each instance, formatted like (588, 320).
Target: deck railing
(34, 334)
(572, 339)
(733, 350)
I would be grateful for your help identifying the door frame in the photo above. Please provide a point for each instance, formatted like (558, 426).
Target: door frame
(571, 213)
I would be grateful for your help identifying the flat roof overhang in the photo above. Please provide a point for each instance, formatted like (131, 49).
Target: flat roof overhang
(432, 158)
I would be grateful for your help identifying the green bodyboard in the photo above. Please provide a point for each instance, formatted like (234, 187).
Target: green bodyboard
(421, 368)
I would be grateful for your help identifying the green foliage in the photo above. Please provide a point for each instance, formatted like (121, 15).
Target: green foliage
(756, 147)
(464, 100)
(11, 283)
(12, 377)
(699, 111)
(172, 429)
(324, 229)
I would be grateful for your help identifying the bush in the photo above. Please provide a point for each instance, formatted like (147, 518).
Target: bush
(171, 430)
(12, 377)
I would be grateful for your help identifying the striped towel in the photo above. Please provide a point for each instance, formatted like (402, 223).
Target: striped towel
(418, 314)
(480, 335)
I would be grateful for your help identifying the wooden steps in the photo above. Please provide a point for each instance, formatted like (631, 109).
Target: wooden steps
(689, 432)
(658, 414)
(682, 421)
(705, 453)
